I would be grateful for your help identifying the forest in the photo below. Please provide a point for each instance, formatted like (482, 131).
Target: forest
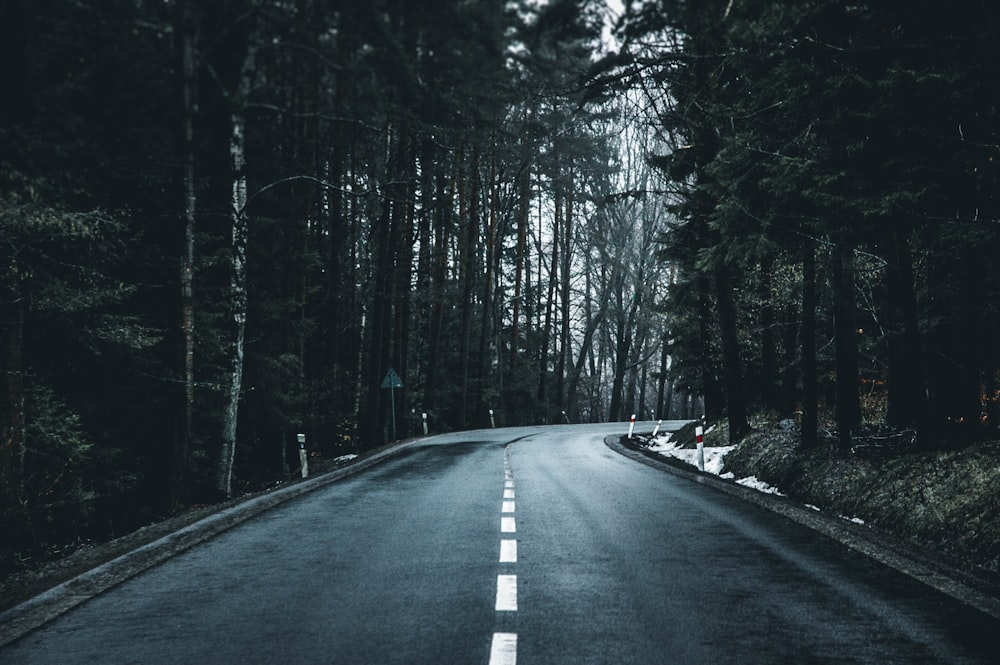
(223, 224)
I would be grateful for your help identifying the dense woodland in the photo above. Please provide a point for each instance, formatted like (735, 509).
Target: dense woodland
(223, 223)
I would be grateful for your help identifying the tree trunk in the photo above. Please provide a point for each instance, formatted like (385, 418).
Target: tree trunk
(402, 242)
(564, 299)
(662, 400)
(238, 276)
(439, 274)
(789, 393)
(618, 381)
(594, 322)
(339, 305)
(712, 392)
(623, 346)
(968, 387)
(848, 411)
(520, 260)
(424, 293)
(543, 364)
(732, 364)
(810, 379)
(12, 417)
(906, 383)
(585, 350)
(488, 286)
(185, 45)
(469, 271)
(768, 341)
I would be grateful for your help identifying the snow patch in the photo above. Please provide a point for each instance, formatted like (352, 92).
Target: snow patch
(345, 458)
(713, 463)
(713, 455)
(665, 445)
(759, 485)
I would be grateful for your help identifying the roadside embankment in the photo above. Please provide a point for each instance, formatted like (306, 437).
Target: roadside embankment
(930, 515)
(946, 501)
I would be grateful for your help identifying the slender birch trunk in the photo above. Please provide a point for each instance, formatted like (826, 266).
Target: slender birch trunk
(238, 276)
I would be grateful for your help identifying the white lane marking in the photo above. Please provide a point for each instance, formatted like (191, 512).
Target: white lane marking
(508, 493)
(507, 525)
(509, 484)
(507, 507)
(508, 551)
(506, 593)
(503, 651)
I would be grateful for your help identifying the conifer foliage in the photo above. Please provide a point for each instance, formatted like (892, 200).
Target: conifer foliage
(836, 169)
(222, 225)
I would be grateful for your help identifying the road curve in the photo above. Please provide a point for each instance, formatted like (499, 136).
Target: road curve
(538, 545)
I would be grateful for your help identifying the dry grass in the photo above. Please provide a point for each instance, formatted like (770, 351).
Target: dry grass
(948, 501)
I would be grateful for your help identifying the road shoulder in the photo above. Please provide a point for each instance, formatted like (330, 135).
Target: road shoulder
(37, 610)
(876, 545)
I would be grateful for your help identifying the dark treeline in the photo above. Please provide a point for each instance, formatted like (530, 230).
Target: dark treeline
(222, 224)
(835, 178)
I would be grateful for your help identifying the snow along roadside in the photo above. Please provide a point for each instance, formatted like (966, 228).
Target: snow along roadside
(714, 462)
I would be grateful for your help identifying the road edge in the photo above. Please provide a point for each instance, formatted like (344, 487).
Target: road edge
(874, 545)
(39, 610)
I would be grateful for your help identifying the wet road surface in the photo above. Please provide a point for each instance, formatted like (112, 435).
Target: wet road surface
(536, 545)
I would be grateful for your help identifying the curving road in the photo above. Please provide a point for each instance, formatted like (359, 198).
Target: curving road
(531, 545)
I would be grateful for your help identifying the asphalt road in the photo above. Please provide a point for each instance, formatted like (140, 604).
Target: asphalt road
(537, 545)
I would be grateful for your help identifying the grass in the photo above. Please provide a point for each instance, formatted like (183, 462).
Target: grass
(944, 501)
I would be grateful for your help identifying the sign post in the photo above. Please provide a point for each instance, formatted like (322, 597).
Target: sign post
(303, 455)
(699, 433)
(392, 381)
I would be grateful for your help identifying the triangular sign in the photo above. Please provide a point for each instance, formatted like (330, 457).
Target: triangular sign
(392, 380)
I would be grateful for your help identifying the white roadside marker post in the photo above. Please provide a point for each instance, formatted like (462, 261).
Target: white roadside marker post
(303, 457)
(493, 422)
(657, 428)
(631, 426)
(423, 417)
(699, 432)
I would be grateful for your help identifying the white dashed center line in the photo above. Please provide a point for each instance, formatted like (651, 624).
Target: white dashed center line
(504, 649)
(506, 593)
(508, 551)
